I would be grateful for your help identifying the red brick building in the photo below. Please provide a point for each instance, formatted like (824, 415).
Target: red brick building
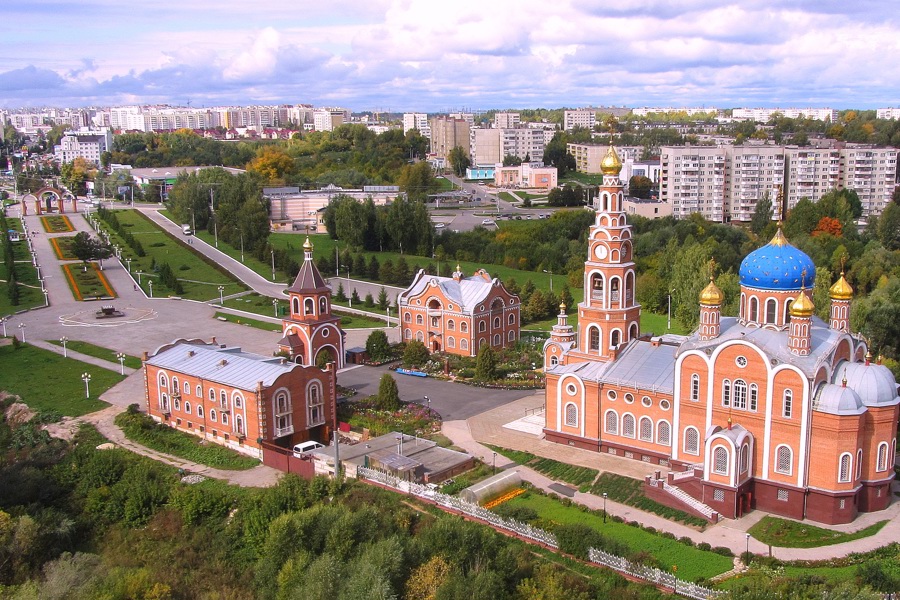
(459, 314)
(773, 409)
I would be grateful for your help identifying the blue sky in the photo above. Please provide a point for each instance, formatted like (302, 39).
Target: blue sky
(403, 55)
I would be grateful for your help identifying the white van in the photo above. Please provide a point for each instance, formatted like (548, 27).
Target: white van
(186, 230)
(306, 447)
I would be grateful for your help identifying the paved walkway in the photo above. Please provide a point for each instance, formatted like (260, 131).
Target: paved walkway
(487, 428)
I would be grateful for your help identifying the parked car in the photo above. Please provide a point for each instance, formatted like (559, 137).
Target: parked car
(306, 447)
(487, 222)
(440, 225)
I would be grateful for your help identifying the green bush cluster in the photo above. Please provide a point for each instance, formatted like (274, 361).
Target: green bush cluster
(109, 217)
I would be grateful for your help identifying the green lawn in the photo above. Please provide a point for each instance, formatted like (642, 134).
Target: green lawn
(132, 362)
(581, 477)
(626, 490)
(256, 323)
(199, 277)
(48, 382)
(262, 305)
(30, 294)
(444, 184)
(145, 431)
(693, 563)
(87, 283)
(791, 534)
(582, 178)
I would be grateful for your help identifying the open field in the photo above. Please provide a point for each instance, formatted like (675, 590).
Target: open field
(132, 362)
(791, 534)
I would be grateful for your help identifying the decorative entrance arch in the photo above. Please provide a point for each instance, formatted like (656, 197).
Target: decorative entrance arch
(44, 199)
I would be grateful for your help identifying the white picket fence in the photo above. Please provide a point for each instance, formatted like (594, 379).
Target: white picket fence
(616, 563)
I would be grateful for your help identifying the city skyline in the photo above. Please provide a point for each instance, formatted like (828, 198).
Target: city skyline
(404, 56)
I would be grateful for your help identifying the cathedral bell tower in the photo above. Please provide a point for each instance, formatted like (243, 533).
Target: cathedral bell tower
(609, 316)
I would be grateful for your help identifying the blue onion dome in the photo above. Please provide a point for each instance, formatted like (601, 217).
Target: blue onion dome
(777, 266)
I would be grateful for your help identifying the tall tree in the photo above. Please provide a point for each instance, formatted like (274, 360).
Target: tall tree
(459, 160)
(762, 214)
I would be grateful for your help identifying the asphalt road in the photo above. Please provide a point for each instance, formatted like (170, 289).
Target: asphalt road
(452, 400)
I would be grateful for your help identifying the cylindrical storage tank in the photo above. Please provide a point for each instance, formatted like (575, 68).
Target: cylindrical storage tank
(493, 487)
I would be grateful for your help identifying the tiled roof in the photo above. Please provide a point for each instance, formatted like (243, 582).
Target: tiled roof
(308, 279)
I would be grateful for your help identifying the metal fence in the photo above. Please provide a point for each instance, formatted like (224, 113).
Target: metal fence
(616, 563)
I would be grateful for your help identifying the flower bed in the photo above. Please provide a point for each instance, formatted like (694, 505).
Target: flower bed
(88, 285)
(412, 418)
(57, 224)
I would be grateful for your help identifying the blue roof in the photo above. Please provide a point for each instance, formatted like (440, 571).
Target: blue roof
(778, 266)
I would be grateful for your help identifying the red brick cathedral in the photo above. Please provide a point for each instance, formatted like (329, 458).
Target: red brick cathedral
(772, 409)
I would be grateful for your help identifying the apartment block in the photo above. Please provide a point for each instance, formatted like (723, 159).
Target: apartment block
(583, 117)
(507, 120)
(588, 156)
(643, 111)
(810, 173)
(762, 115)
(416, 121)
(86, 144)
(328, 119)
(447, 133)
(692, 180)
(872, 174)
(887, 113)
(752, 173)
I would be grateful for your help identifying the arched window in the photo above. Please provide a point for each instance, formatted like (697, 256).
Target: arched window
(187, 389)
(571, 415)
(223, 398)
(482, 326)
(845, 468)
(175, 385)
(212, 395)
(726, 392)
(720, 461)
(212, 414)
(881, 463)
(596, 286)
(309, 307)
(408, 334)
(315, 410)
(612, 422)
(199, 391)
(646, 429)
(200, 410)
(595, 338)
(754, 309)
(615, 337)
(323, 306)
(177, 404)
(754, 396)
(695, 387)
(771, 310)
(239, 424)
(628, 426)
(463, 326)
(187, 408)
(481, 342)
(407, 317)
(419, 336)
(512, 318)
(554, 361)
(164, 403)
(740, 394)
(238, 401)
(295, 306)
(691, 441)
(512, 336)
(224, 418)
(787, 404)
(464, 344)
(420, 320)
(496, 322)
(745, 458)
(451, 325)
(664, 433)
(784, 459)
(451, 342)
(496, 339)
(787, 310)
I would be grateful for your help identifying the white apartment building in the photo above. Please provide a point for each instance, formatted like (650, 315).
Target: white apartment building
(643, 111)
(327, 119)
(752, 173)
(416, 121)
(762, 115)
(507, 120)
(491, 146)
(583, 117)
(85, 144)
(810, 173)
(692, 179)
(872, 174)
(887, 113)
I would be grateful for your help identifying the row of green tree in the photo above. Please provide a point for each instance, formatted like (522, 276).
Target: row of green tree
(402, 226)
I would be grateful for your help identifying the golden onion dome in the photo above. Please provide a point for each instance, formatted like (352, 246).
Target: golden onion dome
(841, 290)
(562, 307)
(711, 294)
(307, 245)
(802, 306)
(611, 164)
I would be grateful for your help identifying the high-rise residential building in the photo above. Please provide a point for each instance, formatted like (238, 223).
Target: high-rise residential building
(751, 173)
(447, 133)
(693, 180)
(888, 113)
(491, 146)
(327, 119)
(583, 117)
(762, 115)
(86, 144)
(416, 121)
(872, 174)
(507, 120)
(810, 173)
(646, 110)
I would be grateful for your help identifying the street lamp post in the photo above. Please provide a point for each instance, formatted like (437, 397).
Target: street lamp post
(551, 279)
(388, 316)
(121, 357)
(494, 463)
(64, 340)
(428, 402)
(3, 322)
(272, 252)
(604, 507)
(150, 283)
(275, 306)
(139, 276)
(747, 553)
(86, 378)
(242, 246)
(22, 329)
(221, 294)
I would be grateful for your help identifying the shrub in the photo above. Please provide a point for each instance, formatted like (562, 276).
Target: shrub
(704, 546)
(723, 551)
(415, 355)
(686, 541)
(388, 396)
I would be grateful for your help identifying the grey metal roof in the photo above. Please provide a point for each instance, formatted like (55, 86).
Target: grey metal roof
(467, 292)
(228, 366)
(642, 365)
(308, 279)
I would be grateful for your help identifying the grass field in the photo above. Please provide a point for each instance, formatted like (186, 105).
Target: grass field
(132, 362)
(791, 534)
(144, 430)
(30, 294)
(89, 284)
(48, 382)
(255, 323)
(262, 305)
(581, 477)
(199, 278)
(693, 563)
(582, 178)
(626, 490)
